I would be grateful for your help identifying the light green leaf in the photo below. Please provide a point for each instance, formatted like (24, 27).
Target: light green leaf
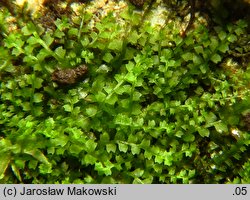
(222, 35)
(168, 160)
(216, 58)
(136, 109)
(188, 137)
(37, 110)
(20, 163)
(26, 31)
(112, 99)
(189, 40)
(104, 138)
(138, 172)
(198, 49)
(209, 117)
(221, 127)
(223, 47)
(187, 56)
(203, 68)
(232, 38)
(178, 39)
(105, 35)
(26, 106)
(68, 108)
(133, 37)
(145, 144)
(107, 57)
(214, 43)
(116, 44)
(90, 146)
(16, 171)
(5, 159)
(102, 169)
(73, 31)
(148, 154)
(43, 53)
(123, 147)
(48, 39)
(137, 181)
(38, 97)
(123, 120)
(58, 34)
(136, 96)
(111, 148)
(33, 40)
(37, 154)
(197, 59)
(17, 51)
(130, 77)
(75, 148)
(29, 29)
(33, 164)
(60, 140)
(7, 96)
(158, 159)
(91, 111)
(62, 24)
(203, 132)
(123, 89)
(130, 66)
(85, 41)
(60, 52)
(89, 159)
(135, 149)
(100, 96)
(45, 169)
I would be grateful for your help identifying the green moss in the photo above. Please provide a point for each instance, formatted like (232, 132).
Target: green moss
(153, 108)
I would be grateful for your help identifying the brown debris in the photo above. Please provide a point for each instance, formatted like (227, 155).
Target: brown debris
(138, 3)
(246, 120)
(69, 76)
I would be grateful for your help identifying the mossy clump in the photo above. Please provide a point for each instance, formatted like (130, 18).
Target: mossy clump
(134, 100)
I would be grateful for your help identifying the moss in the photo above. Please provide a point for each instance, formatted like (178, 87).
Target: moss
(154, 106)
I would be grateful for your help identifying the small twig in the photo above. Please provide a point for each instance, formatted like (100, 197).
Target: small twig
(192, 17)
(237, 54)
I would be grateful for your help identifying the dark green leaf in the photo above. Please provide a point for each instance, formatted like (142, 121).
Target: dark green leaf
(4, 163)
